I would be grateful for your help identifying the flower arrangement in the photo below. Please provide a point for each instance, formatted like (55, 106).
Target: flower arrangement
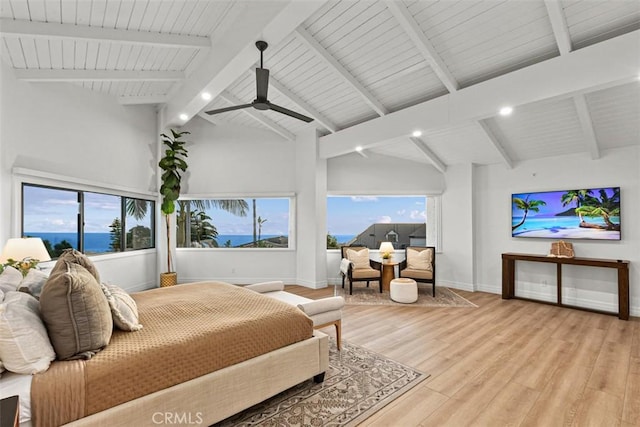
(23, 266)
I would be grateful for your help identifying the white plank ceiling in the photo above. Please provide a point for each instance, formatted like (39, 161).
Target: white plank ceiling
(354, 67)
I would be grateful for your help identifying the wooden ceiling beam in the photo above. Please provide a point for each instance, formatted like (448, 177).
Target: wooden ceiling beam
(430, 155)
(315, 114)
(339, 69)
(50, 30)
(420, 40)
(236, 52)
(559, 26)
(44, 75)
(491, 136)
(581, 71)
(586, 124)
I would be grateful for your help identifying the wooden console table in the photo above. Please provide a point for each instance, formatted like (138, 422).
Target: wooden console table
(509, 273)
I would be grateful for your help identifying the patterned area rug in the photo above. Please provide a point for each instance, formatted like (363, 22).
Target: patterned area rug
(362, 295)
(358, 383)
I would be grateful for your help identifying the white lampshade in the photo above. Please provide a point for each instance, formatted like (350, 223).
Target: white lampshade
(27, 247)
(386, 247)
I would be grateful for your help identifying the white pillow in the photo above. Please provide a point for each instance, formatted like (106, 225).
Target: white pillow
(10, 279)
(24, 344)
(360, 259)
(419, 260)
(123, 308)
(33, 282)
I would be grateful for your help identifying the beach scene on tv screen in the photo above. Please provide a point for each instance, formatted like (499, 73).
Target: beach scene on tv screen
(570, 214)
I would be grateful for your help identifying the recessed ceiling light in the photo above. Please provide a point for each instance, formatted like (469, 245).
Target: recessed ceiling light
(359, 148)
(417, 133)
(183, 117)
(505, 111)
(206, 96)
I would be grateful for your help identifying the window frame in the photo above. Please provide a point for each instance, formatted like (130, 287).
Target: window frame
(232, 196)
(23, 176)
(433, 210)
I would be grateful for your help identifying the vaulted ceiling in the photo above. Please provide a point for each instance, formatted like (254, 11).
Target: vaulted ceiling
(369, 72)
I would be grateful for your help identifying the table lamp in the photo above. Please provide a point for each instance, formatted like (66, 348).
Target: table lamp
(386, 250)
(24, 253)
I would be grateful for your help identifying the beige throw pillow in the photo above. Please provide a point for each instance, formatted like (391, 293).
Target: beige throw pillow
(123, 308)
(24, 344)
(76, 313)
(75, 257)
(419, 260)
(360, 259)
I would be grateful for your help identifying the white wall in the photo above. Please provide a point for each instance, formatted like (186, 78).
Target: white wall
(455, 262)
(237, 161)
(591, 287)
(65, 130)
(381, 175)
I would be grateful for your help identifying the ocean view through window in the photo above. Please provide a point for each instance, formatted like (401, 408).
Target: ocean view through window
(255, 222)
(93, 223)
(370, 220)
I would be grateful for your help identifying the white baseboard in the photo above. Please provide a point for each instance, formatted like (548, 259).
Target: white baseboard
(455, 285)
(235, 280)
(491, 289)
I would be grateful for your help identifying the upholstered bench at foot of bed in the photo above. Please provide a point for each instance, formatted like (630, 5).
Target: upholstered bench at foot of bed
(324, 312)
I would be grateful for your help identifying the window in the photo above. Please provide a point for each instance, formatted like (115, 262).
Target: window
(93, 223)
(370, 220)
(262, 222)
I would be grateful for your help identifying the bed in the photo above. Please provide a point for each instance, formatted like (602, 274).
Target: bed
(207, 351)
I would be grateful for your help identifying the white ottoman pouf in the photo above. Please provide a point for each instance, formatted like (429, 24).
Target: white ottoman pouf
(404, 290)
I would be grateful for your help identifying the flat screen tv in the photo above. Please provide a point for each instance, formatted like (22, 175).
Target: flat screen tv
(592, 213)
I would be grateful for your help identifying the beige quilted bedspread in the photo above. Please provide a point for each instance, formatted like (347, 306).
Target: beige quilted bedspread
(188, 331)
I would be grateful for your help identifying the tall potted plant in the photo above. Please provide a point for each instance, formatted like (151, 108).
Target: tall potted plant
(173, 165)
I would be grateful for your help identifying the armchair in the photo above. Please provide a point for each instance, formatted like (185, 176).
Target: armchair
(360, 267)
(420, 265)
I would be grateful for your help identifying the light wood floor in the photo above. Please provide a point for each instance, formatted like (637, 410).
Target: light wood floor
(507, 362)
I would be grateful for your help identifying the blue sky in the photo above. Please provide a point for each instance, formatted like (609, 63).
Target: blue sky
(275, 211)
(53, 210)
(353, 214)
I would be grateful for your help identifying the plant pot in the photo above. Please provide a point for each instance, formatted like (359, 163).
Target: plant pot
(168, 279)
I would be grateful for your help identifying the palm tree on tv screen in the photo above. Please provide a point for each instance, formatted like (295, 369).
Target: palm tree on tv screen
(577, 196)
(604, 207)
(526, 205)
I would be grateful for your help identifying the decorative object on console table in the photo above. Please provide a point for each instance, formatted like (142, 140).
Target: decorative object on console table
(24, 253)
(622, 266)
(562, 249)
(173, 165)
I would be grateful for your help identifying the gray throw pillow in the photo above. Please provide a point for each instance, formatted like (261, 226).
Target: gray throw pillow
(76, 313)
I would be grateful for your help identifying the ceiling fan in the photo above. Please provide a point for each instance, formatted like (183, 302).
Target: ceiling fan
(262, 85)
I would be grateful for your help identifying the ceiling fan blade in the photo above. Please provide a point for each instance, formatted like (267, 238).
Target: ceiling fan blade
(288, 112)
(262, 83)
(225, 109)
